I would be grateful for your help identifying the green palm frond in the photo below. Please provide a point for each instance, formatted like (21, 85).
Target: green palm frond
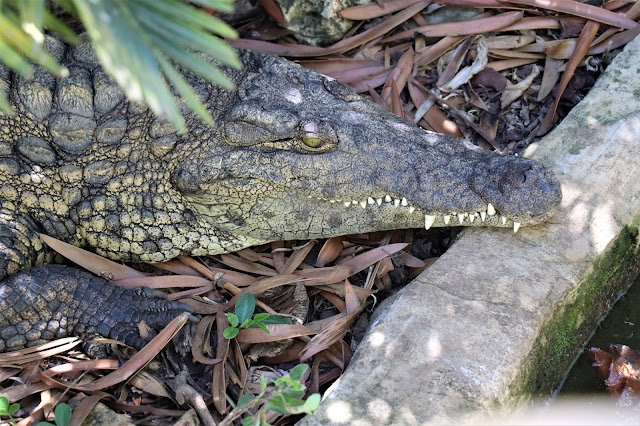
(137, 41)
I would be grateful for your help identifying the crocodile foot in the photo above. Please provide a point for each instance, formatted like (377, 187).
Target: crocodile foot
(54, 301)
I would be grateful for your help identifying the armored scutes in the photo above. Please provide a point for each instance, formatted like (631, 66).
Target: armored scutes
(292, 155)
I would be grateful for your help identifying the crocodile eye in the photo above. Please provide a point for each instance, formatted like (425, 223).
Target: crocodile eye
(316, 136)
(312, 141)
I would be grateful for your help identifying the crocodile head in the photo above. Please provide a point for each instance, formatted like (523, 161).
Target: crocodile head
(299, 155)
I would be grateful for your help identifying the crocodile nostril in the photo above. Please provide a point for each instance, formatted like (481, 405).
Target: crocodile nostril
(522, 175)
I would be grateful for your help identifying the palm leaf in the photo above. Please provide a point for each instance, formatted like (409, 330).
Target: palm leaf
(135, 40)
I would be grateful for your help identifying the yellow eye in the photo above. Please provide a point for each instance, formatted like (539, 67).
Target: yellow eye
(311, 141)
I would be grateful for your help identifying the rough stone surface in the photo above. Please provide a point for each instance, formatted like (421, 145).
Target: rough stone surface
(317, 21)
(459, 338)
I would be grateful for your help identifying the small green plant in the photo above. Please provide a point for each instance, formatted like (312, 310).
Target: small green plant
(62, 415)
(284, 398)
(242, 317)
(7, 409)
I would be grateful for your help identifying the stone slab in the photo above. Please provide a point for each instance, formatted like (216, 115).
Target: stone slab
(461, 337)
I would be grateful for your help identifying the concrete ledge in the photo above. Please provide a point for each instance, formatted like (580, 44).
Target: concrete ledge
(500, 316)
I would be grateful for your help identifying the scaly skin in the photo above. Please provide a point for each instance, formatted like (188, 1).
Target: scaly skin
(292, 155)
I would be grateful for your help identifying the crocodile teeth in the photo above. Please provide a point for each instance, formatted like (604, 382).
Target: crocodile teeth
(354, 202)
(490, 210)
(472, 217)
(363, 204)
(347, 203)
(461, 217)
(396, 202)
(379, 201)
(332, 201)
(504, 220)
(387, 198)
(412, 209)
(516, 226)
(428, 221)
(483, 215)
(404, 202)
(447, 218)
(370, 200)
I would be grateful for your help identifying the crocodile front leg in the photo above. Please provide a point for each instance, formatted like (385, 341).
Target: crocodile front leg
(54, 301)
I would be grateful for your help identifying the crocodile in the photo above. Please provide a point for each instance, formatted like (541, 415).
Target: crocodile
(291, 155)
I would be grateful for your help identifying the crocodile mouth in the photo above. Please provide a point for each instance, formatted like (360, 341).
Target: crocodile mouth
(486, 216)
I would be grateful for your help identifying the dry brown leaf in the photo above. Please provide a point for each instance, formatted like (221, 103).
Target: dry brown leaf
(201, 341)
(514, 91)
(329, 66)
(150, 384)
(355, 76)
(92, 262)
(374, 10)
(472, 3)
(468, 27)
(335, 300)
(165, 281)
(509, 63)
(218, 385)
(83, 408)
(203, 307)
(253, 256)
(563, 49)
(396, 102)
(436, 119)
(277, 332)
(329, 252)
(386, 266)
(583, 10)
(466, 74)
(288, 355)
(234, 277)
(241, 264)
(129, 368)
(190, 293)
(550, 77)
(363, 261)
(515, 54)
(329, 335)
(273, 9)
(308, 277)
(338, 289)
(27, 355)
(240, 364)
(540, 47)
(615, 41)
(177, 267)
(538, 23)
(145, 409)
(297, 257)
(295, 50)
(633, 13)
(368, 84)
(398, 79)
(336, 330)
(411, 261)
(76, 366)
(586, 37)
(351, 299)
(509, 41)
(19, 391)
(434, 51)
(455, 61)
